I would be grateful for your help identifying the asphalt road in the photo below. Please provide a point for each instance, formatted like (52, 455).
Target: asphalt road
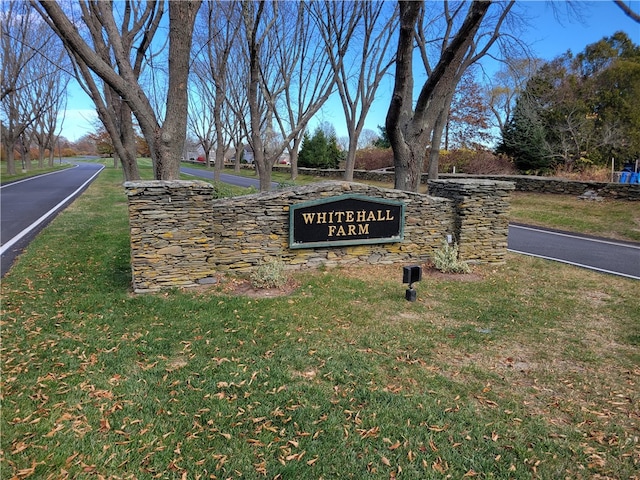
(609, 256)
(27, 206)
(225, 178)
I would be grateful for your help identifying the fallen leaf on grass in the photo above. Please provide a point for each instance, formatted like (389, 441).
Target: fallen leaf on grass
(371, 433)
(104, 425)
(438, 428)
(19, 447)
(27, 472)
(56, 429)
(440, 466)
(394, 446)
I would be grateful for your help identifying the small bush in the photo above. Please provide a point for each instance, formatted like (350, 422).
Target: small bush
(374, 158)
(270, 274)
(475, 162)
(446, 259)
(222, 190)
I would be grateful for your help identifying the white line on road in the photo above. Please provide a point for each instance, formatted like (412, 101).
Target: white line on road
(576, 264)
(26, 231)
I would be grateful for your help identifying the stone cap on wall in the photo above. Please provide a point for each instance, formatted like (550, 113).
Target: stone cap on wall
(474, 183)
(133, 187)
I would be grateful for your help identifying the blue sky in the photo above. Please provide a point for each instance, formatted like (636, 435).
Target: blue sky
(548, 37)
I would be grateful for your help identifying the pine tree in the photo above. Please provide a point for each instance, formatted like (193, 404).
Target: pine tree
(524, 140)
(319, 151)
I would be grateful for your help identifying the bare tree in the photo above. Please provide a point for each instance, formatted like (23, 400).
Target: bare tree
(289, 80)
(505, 86)
(28, 78)
(412, 128)
(237, 123)
(219, 27)
(308, 78)
(47, 126)
(359, 31)
(137, 28)
(258, 19)
(165, 137)
(200, 116)
(626, 8)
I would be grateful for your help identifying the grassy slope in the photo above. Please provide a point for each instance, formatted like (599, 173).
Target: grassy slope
(610, 218)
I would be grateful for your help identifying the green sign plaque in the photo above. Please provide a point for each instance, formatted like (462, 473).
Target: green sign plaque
(345, 220)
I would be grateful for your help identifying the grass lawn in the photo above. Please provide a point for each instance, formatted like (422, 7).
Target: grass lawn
(527, 370)
(616, 219)
(34, 169)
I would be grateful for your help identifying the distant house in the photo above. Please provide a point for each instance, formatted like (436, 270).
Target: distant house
(248, 157)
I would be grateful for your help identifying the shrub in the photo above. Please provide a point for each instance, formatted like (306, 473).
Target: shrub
(270, 274)
(446, 259)
(374, 158)
(475, 162)
(222, 190)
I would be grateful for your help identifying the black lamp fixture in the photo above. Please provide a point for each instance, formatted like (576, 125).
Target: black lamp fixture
(410, 275)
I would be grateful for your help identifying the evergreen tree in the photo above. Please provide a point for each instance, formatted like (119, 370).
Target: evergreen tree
(319, 151)
(383, 139)
(524, 140)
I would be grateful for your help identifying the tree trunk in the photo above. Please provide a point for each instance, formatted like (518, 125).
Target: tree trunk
(409, 130)
(128, 139)
(11, 159)
(351, 156)
(400, 111)
(171, 136)
(434, 152)
(293, 156)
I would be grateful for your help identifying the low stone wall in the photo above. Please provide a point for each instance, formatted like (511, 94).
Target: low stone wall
(181, 236)
(523, 183)
(526, 183)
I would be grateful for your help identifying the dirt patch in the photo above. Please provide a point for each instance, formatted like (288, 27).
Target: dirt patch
(431, 272)
(243, 287)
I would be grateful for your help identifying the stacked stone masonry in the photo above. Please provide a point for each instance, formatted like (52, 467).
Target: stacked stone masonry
(181, 236)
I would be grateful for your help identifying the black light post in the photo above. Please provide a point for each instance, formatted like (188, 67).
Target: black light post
(410, 275)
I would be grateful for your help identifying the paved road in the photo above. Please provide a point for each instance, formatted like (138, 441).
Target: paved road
(28, 205)
(225, 178)
(609, 256)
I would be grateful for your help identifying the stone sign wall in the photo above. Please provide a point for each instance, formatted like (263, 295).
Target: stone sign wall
(181, 236)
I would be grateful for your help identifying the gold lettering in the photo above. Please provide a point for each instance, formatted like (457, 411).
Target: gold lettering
(349, 216)
(322, 217)
(361, 214)
(363, 229)
(380, 217)
(352, 230)
(332, 230)
(371, 217)
(339, 216)
(331, 216)
(389, 217)
(341, 232)
(308, 217)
